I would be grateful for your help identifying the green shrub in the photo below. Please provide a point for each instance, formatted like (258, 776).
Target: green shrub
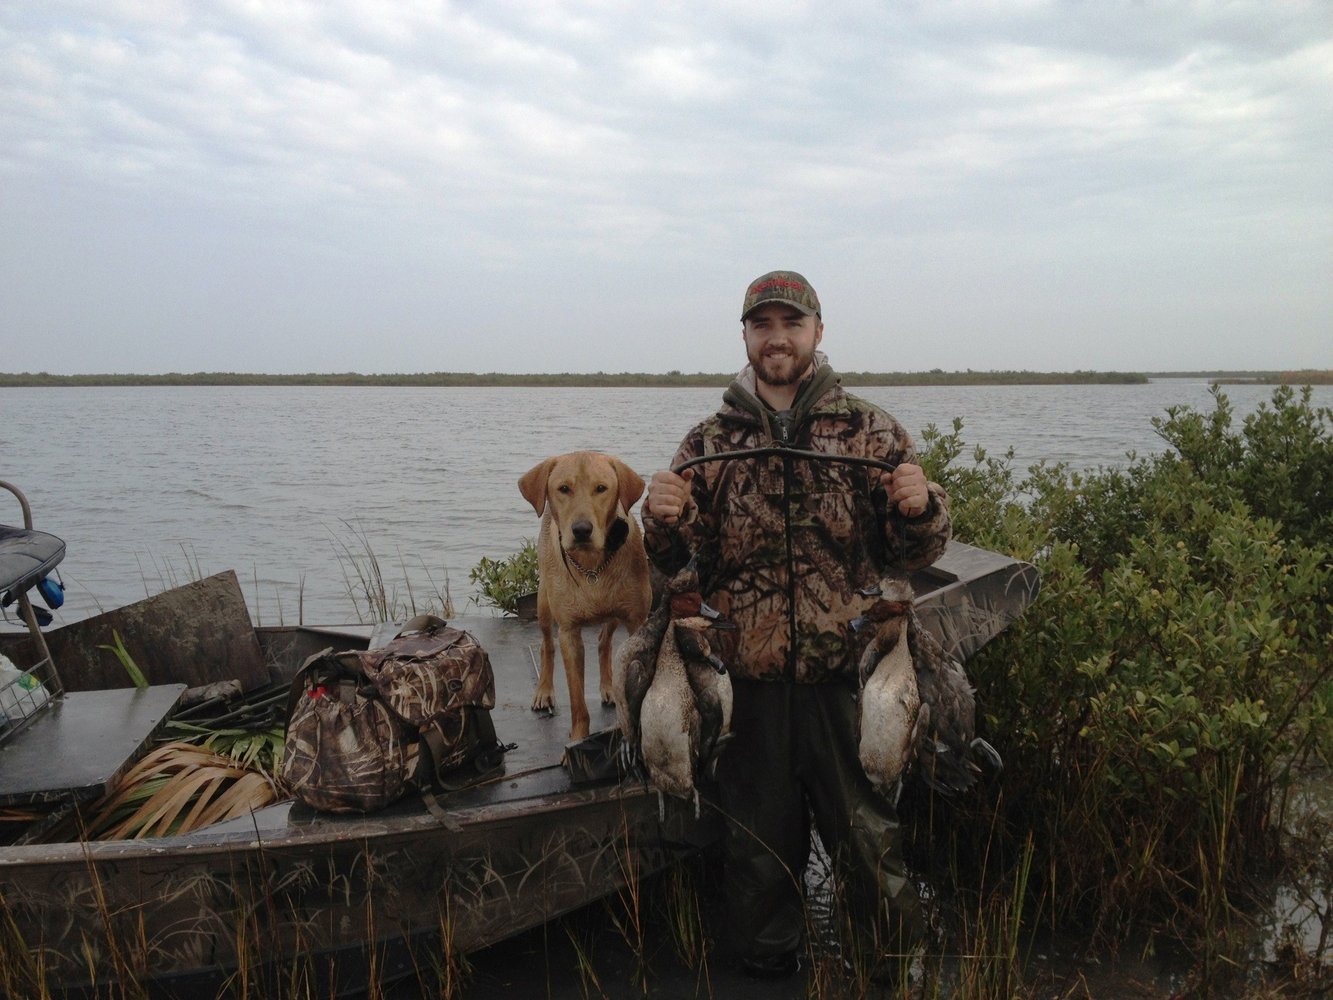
(1153, 700)
(503, 581)
(1279, 463)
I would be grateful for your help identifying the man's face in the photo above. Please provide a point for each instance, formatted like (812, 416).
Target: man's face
(780, 342)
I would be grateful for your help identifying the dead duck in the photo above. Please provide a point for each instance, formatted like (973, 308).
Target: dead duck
(940, 743)
(711, 685)
(669, 719)
(950, 751)
(686, 714)
(632, 674)
(636, 660)
(891, 713)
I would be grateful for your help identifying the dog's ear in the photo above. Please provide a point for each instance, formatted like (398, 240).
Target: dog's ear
(532, 485)
(629, 482)
(618, 533)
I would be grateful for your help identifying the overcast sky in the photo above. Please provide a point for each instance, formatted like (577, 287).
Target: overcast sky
(327, 186)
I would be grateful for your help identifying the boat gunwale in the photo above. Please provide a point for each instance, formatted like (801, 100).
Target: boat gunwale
(339, 828)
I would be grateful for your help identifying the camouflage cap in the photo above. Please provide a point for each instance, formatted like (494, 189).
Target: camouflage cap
(785, 287)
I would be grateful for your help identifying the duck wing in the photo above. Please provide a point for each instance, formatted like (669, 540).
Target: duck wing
(945, 758)
(632, 675)
(712, 699)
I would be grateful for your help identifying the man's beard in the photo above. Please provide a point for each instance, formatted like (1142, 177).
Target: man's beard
(787, 369)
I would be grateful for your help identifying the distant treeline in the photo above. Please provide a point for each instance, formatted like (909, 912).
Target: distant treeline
(620, 380)
(935, 376)
(1306, 376)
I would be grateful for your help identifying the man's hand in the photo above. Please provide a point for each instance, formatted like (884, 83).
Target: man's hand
(668, 495)
(906, 486)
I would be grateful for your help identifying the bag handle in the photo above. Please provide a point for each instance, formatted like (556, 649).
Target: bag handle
(422, 623)
(327, 657)
(297, 686)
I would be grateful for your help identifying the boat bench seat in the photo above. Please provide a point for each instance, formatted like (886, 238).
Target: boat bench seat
(81, 742)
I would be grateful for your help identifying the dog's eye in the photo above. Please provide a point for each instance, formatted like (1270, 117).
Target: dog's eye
(602, 487)
(565, 488)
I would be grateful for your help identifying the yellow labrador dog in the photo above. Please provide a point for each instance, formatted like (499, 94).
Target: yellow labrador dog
(592, 567)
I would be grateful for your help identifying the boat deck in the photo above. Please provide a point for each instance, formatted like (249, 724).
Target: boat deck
(966, 598)
(533, 769)
(81, 745)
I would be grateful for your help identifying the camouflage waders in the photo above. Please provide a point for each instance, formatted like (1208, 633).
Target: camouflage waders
(795, 756)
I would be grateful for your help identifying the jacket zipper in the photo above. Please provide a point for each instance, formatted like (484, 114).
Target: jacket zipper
(785, 431)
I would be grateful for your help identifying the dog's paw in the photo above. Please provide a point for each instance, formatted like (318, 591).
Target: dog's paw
(543, 701)
(608, 697)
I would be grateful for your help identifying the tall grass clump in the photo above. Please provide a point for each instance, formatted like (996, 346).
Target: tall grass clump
(1168, 683)
(371, 594)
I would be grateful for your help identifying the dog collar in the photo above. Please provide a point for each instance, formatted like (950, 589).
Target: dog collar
(587, 574)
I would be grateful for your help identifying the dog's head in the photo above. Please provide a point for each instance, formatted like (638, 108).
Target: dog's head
(589, 494)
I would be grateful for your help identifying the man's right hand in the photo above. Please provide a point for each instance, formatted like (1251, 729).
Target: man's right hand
(668, 495)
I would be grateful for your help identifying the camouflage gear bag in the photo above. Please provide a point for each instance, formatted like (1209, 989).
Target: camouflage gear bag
(365, 727)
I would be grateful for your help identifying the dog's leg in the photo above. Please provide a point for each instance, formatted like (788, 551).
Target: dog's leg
(604, 662)
(544, 697)
(571, 651)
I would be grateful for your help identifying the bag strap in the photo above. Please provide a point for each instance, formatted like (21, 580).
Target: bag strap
(434, 748)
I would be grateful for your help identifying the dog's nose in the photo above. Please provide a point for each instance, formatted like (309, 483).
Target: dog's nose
(582, 530)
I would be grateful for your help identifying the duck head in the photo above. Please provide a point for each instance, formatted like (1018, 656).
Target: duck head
(694, 642)
(888, 615)
(684, 597)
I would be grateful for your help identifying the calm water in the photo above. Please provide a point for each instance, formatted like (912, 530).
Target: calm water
(151, 487)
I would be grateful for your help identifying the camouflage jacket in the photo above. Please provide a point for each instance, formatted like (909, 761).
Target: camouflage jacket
(785, 543)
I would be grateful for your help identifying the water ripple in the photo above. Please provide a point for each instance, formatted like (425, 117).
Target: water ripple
(150, 485)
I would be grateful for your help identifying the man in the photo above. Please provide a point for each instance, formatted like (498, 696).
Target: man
(785, 545)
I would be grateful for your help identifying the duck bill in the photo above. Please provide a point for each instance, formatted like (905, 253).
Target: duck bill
(714, 617)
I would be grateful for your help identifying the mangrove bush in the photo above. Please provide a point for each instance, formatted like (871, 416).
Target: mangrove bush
(1157, 700)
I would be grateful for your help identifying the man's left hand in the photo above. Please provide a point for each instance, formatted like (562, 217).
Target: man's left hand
(906, 486)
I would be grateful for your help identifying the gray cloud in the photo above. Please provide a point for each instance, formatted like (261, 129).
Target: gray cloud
(402, 187)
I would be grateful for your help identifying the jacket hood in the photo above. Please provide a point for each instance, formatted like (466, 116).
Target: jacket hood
(743, 395)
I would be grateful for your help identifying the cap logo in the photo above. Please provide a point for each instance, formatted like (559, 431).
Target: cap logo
(768, 286)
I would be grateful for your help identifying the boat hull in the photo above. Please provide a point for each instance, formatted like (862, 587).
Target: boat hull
(337, 904)
(288, 896)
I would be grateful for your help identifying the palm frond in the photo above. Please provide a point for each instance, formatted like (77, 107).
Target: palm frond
(258, 749)
(176, 788)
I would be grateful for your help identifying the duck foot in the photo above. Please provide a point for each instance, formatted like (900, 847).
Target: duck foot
(991, 755)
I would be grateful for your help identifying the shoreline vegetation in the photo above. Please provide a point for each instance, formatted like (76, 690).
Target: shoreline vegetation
(672, 379)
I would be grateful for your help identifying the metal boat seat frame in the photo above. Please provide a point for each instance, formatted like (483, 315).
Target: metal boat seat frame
(59, 748)
(33, 555)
